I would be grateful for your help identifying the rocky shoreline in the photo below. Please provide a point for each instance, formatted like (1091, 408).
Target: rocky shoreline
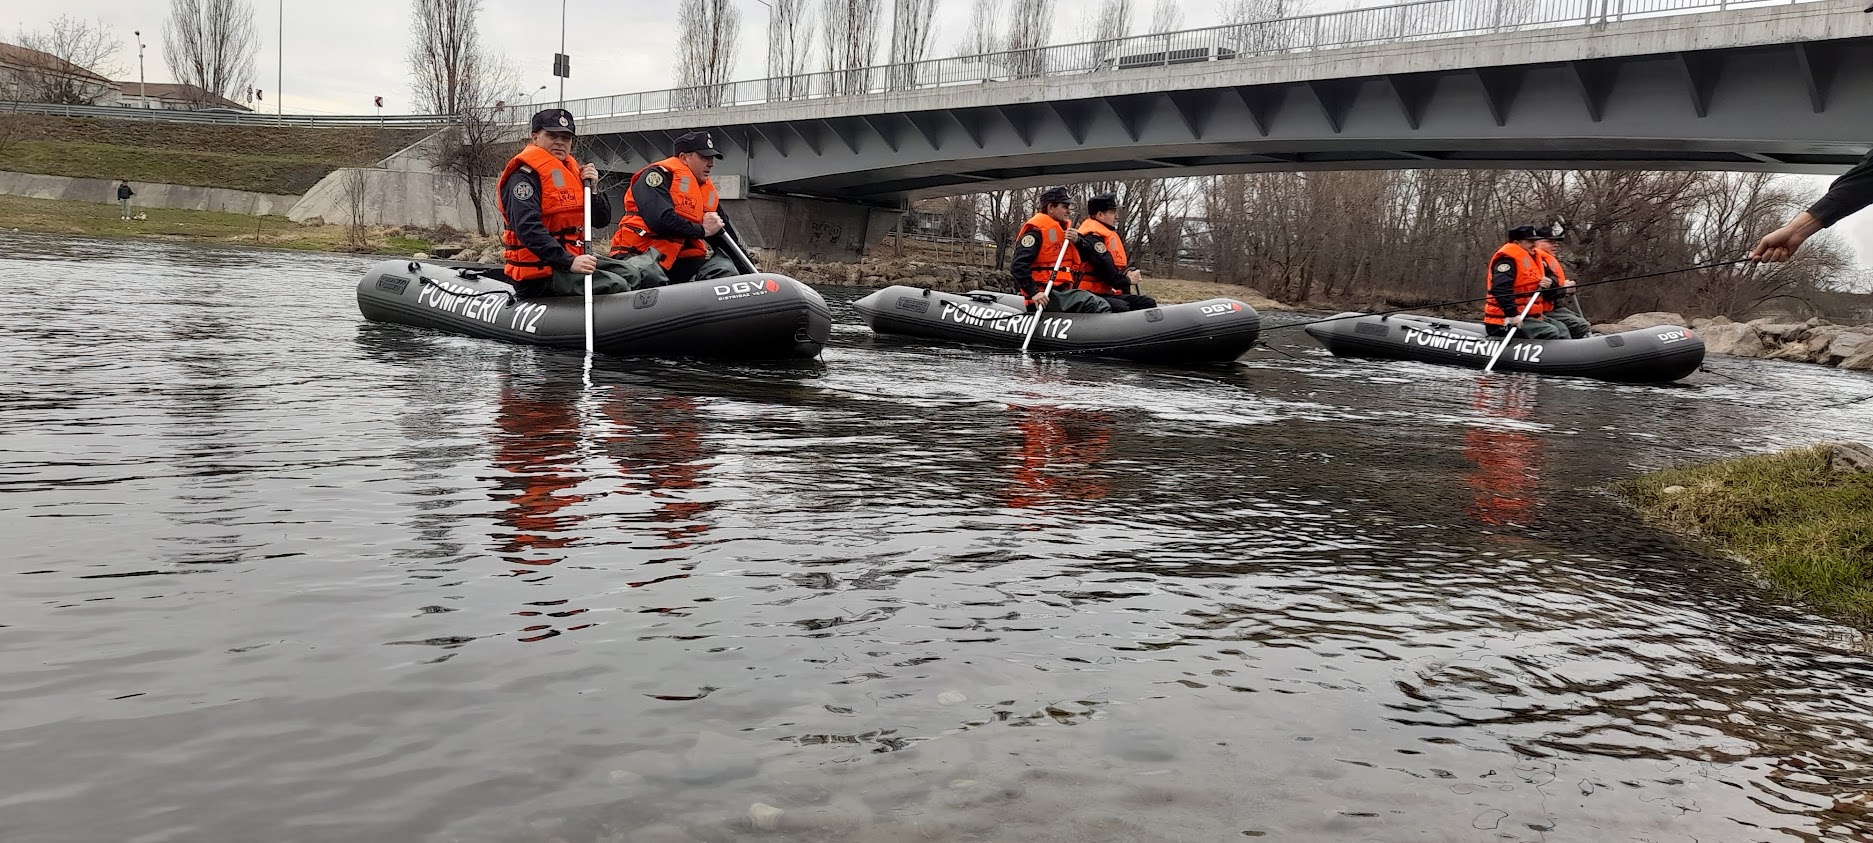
(1815, 341)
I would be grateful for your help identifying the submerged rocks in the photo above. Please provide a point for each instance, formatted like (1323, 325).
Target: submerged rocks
(1814, 341)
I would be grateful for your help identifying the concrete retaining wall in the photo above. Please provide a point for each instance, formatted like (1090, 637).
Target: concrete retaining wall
(395, 197)
(148, 195)
(809, 228)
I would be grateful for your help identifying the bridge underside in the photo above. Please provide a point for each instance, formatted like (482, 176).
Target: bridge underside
(1785, 108)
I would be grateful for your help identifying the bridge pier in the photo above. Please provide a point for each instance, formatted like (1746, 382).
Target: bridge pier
(816, 229)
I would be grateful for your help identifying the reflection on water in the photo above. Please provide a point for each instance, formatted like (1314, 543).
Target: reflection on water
(280, 574)
(1508, 458)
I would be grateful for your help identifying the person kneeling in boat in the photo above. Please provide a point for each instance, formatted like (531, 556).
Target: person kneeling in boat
(669, 209)
(1105, 272)
(541, 198)
(1563, 300)
(1515, 274)
(1038, 245)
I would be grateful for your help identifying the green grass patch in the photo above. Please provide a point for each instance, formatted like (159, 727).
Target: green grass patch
(262, 159)
(1805, 528)
(90, 219)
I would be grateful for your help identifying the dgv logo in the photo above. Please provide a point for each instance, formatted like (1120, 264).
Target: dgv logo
(745, 289)
(1219, 309)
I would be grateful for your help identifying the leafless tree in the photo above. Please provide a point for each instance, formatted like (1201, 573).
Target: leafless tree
(76, 53)
(356, 182)
(445, 47)
(1027, 38)
(1002, 212)
(211, 44)
(851, 42)
(982, 37)
(1258, 27)
(478, 143)
(1167, 16)
(789, 48)
(912, 27)
(705, 56)
(1113, 23)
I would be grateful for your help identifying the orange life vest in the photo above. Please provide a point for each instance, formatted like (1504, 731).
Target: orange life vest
(1108, 240)
(562, 210)
(692, 197)
(1050, 236)
(1528, 277)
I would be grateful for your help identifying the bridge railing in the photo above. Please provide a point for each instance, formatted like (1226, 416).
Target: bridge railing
(1424, 20)
(242, 118)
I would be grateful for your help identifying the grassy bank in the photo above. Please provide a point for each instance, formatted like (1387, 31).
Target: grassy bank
(87, 219)
(283, 160)
(1806, 529)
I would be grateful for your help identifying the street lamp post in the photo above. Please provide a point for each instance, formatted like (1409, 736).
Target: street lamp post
(143, 93)
(279, 70)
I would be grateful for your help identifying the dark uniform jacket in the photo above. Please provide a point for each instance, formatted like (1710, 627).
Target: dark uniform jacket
(1849, 193)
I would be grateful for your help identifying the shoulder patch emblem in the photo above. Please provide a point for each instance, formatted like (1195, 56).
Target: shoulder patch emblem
(1100, 247)
(653, 178)
(1028, 240)
(1503, 267)
(523, 191)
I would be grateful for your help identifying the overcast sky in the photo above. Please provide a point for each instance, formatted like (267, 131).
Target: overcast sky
(341, 53)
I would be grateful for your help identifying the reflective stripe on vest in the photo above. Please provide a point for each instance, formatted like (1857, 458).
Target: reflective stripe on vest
(692, 198)
(1528, 277)
(562, 211)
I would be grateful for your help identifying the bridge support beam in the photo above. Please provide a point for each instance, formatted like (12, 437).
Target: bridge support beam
(816, 229)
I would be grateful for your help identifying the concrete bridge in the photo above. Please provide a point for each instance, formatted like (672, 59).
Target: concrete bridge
(1653, 84)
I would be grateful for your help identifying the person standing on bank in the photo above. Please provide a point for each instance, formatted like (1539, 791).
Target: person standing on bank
(541, 198)
(1041, 242)
(1563, 304)
(668, 210)
(1105, 270)
(1845, 197)
(1514, 275)
(123, 197)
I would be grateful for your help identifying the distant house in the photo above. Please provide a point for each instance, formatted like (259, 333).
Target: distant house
(170, 95)
(32, 76)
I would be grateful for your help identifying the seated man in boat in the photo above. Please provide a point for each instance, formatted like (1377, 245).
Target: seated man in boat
(1105, 272)
(1515, 275)
(668, 210)
(541, 198)
(1561, 294)
(1042, 240)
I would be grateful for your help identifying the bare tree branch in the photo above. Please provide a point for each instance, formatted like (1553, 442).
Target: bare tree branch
(77, 53)
(789, 48)
(705, 55)
(913, 27)
(211, 44)
(443, 50)
(851, 42)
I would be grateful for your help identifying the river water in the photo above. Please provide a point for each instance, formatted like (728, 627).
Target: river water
(276, 573)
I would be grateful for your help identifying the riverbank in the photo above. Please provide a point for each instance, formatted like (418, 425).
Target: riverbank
(1802, 519)
(89, 219)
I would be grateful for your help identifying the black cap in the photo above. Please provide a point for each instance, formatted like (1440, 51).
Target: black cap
(1555, 231)
(1056, 196)
(699, 143)
(1102, 203)
(554, 120)
(1523, 232)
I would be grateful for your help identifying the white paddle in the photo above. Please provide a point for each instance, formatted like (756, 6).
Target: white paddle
(1045, 292)
(1532, 298)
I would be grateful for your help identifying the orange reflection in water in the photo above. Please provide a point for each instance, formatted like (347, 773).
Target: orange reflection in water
(1059, 456)
(1508, 461)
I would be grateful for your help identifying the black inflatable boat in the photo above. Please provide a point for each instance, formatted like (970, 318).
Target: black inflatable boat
(759, 316)
(1650, 355)
(1211, 331)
